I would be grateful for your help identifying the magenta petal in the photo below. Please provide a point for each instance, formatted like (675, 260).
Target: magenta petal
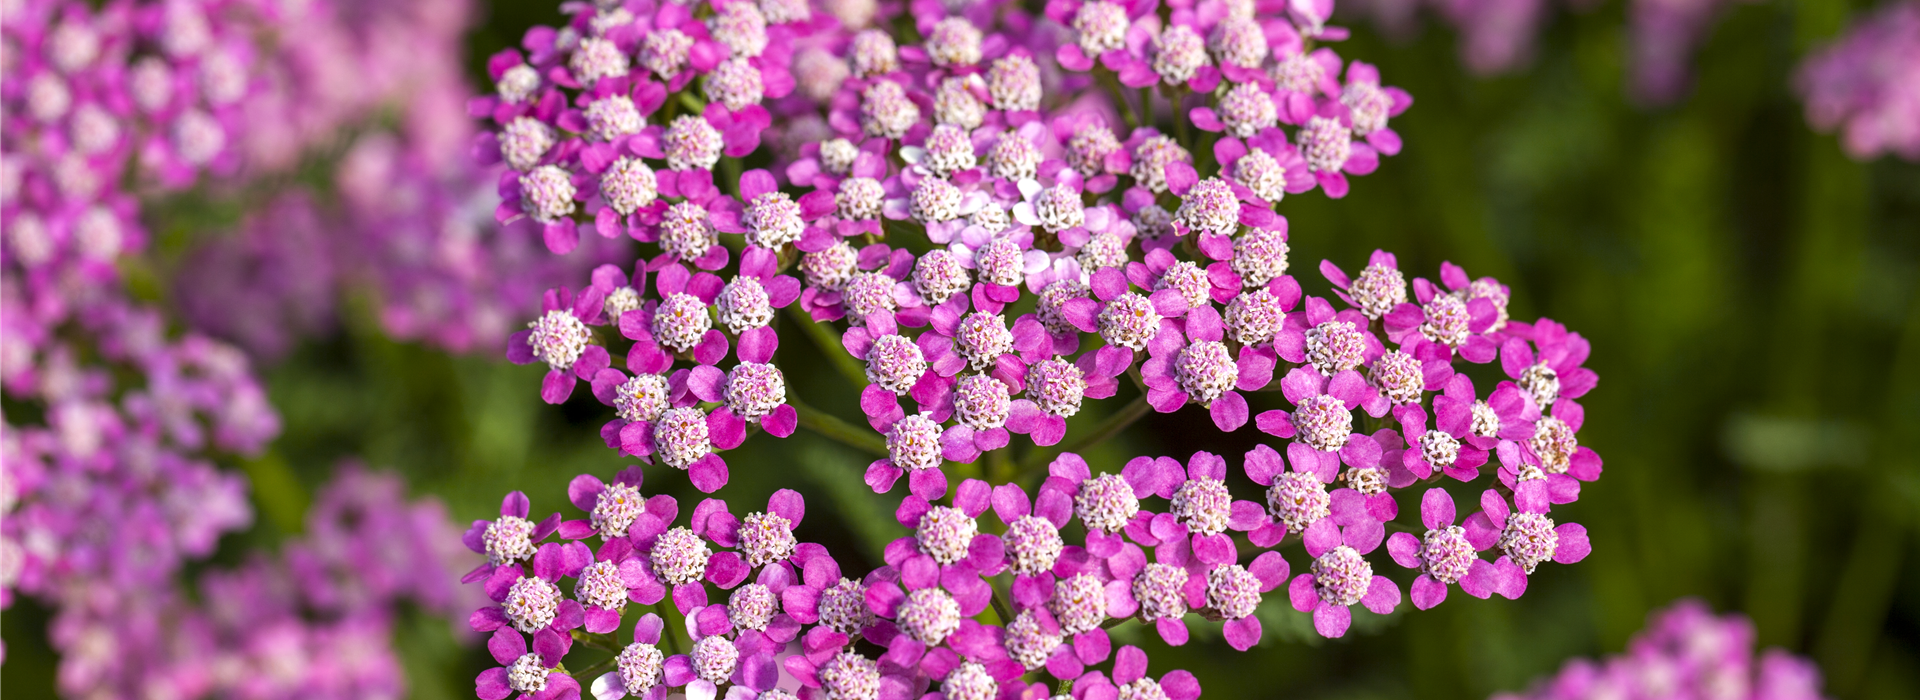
(506, 645)
(492, 684)
(1229, 412)
(1302, 594)
(881, 475)
(1241, 634)
(781, 422)
(1404, 547)
(758, 344)
(1574, 545)
(1331, 621)
(1383, 595)
(1427, 592)
(557, 386)
(709, 473)
(602, 620)
(1320, 537)
(1172, 630)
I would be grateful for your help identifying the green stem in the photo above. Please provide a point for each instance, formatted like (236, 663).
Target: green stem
(675, 624)
(1112, 85)
(832, 427)
(1107, 429)
(730, 171)
(1178, 98)
(829, 344)
(1000, 606)
(585, 675)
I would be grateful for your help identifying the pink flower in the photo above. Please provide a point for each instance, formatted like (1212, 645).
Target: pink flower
(510, 539)
(1452, 446)
(532, 675)
(1322, 422)
(1443, 555)
(613, 684)
(1525, 539)
(1340, 575)
(1204, 373)
(561, 339)
(1130, 671)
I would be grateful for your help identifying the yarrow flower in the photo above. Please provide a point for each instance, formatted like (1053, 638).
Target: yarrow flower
(923, 190)
(1685, 649)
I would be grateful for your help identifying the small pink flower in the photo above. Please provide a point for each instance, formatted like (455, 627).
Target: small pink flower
(1451, 446)
(533, 676)
(1340, 575)
(1526, 539)
(1442, 556)
(1322, 422)
(561, 339)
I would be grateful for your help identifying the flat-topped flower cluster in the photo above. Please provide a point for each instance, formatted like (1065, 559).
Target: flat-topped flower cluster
(981, 205)
(1685, 651)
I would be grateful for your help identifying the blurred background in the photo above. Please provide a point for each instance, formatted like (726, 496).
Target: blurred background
(1749, 291)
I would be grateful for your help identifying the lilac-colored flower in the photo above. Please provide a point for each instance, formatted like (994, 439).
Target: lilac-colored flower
(1321, 423)
(562, 340)
(1055, 390)
(1525, 538)
(772, 218)
(1092, 150)
(1862, 84)
(1126, 320)
(940, 567)
(534, 603)
(508, 540)
(1234, 593)
(1369, 106)
(1442, 556)
(1102, 28)
(523, 674)
(1549, 368)
(1449, 318)
(1106, 504)
(1205, 373)
(895, 365)
(1450, 447)
(1302, 77)
(1202, 507)
(1340, 575)
(1329, 342)
(1130, 675)
(1000, 263)
(1326, 142)
(678, 324)
(615, 510)
(639, 669)
(1265, 164)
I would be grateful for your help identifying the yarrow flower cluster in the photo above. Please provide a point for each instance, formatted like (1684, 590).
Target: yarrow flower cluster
(112, 483)
(920, 194)
(1866, 84)
(1685, 651)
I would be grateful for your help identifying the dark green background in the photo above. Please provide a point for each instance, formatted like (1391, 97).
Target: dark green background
(1749, 292)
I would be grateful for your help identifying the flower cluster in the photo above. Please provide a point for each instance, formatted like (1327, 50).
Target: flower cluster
(997, 228)
(315, 621)
(767, 615)
(115, 425)
(1867, 84)
(1018, 195)
(1685, 651)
